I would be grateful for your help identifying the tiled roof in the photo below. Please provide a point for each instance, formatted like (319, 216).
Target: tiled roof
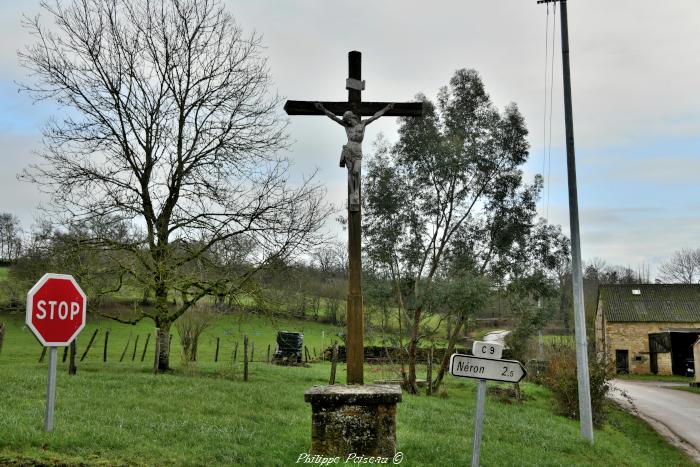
(668, 303)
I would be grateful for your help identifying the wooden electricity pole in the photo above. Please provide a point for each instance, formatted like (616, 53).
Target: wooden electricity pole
(584, 390)
(354, 85)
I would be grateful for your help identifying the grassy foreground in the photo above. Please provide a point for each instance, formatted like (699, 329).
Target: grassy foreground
(121, 414)
(659, 378)
(693, 389)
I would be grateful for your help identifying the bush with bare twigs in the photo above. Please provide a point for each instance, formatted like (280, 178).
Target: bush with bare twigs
(562, 379)
(190, 327)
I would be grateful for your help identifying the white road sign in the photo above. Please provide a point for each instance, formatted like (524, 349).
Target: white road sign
(466, 366)
(490, 350)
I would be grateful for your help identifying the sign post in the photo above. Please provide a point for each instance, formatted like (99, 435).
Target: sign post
(486, 364)
(479, 422)
(50, 391)
(56, 311)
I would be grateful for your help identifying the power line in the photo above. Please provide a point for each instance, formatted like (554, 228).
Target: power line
(551, 95)
(544, 123)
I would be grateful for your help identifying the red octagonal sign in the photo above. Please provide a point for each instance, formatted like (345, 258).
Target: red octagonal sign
(56, 309)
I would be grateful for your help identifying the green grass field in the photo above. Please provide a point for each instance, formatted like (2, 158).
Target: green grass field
(692, 389)
(204, 414)
(662, 378)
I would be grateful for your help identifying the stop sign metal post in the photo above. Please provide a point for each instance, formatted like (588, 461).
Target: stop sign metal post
(56, 311)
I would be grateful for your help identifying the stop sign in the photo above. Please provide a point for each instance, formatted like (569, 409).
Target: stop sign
(56, 309)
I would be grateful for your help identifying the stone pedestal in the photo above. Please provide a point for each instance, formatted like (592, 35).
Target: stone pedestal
(353, 419)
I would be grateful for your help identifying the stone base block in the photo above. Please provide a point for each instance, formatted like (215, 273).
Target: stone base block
(353, 419)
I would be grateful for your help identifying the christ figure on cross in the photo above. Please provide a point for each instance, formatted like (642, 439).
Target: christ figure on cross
(351, 156)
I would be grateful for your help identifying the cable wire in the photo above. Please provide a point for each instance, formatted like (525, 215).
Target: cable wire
(544, 116)
(551, 98)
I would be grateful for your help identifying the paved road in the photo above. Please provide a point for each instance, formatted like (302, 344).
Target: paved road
(675, 414)
(499, 337)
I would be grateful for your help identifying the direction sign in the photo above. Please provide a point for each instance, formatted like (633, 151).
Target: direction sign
(466, 366)
(491, 350)
(56, 309)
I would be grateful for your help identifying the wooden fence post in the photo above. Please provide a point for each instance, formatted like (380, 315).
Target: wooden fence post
(43, 354)
(136, 343)
(235, 352)
(2, 335)
(72, 369)
(245, 357)
(157, 346)
(429, 379)
(252, 351)
(145, 346)
(334, 362)
(126, 347)
(87, 349)
(104, 352)
(268, 353)
(65, 353)
(216, 355)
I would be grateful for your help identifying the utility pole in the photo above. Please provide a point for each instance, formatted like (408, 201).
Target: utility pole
(584, 390)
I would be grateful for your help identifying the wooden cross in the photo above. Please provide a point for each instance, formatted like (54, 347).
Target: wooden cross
(355, 86)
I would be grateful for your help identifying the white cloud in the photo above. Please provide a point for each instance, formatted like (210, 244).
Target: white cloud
(634, 75)
(19, 198)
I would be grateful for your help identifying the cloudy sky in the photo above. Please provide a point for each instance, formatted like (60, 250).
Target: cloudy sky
(636, 98)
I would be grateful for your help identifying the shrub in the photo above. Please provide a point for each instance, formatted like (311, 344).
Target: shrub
(562, 380)
(190, 327)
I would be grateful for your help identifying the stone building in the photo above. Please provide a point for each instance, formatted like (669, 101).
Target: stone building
(648, 328)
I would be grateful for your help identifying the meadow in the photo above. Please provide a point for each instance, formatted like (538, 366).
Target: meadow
(204, 413)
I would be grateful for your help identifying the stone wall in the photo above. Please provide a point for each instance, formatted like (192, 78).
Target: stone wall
(634, 337)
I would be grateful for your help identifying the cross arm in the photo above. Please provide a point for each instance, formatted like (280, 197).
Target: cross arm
(401, 109)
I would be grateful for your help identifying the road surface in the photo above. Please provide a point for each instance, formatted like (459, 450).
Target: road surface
(673, 413)
(498, 337)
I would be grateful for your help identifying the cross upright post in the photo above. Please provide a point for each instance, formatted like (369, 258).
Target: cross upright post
(354, 104)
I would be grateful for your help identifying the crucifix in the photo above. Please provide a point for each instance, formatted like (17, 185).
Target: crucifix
(351, 156)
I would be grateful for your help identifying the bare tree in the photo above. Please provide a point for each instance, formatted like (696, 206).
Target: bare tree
(331, 259)
(683, 267)
(10, 237)
(169, 126)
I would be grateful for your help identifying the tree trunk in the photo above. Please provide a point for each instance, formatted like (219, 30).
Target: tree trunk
(412, 347)
(163, 323)
(333, 310)
(563, 304)
(448, 352)
(401, 356)
(146, 293)
(163, 345)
